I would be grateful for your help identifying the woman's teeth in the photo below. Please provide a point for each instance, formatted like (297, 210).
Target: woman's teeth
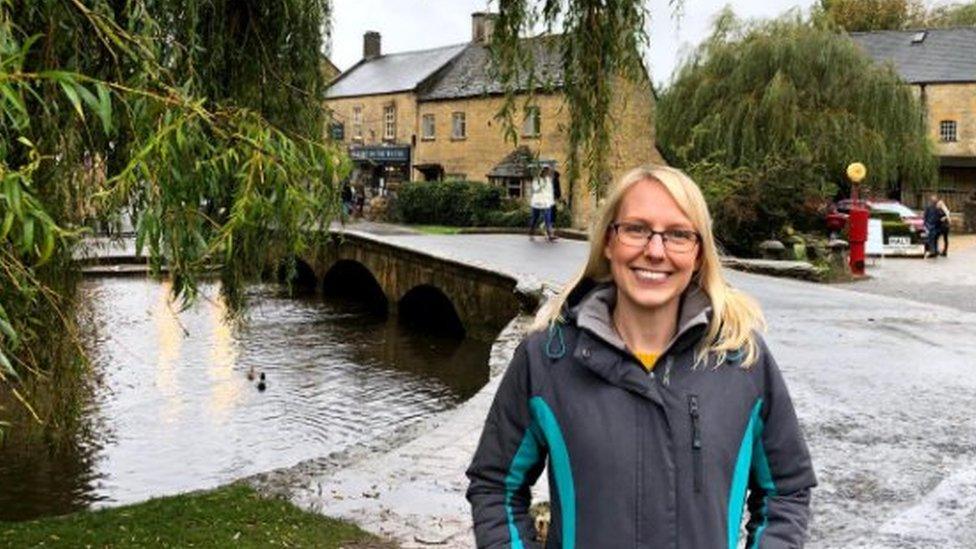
(650, 275)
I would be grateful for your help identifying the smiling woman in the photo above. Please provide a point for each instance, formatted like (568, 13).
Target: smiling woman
(646, 372)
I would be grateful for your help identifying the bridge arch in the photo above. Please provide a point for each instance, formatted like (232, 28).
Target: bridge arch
(350, 278)
(427, 308)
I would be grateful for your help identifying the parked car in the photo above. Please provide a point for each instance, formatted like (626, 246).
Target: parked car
(836, 216)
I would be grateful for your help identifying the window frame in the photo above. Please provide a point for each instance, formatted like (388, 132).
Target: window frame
(948, 131)
(532, 113)
(424, 136)
(389, 122)
(455, 117)
(357, 123)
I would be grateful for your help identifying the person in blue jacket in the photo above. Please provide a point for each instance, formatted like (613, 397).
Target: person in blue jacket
(647, 390)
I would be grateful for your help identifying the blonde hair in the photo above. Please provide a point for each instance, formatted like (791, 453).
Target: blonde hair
(735, 315)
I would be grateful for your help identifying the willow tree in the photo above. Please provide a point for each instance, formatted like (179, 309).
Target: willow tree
(872, 15)
(959, 14)
(201, 119)
(602, 42)
(772, 112)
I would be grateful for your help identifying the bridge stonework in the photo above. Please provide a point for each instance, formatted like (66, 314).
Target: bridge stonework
(484, 301)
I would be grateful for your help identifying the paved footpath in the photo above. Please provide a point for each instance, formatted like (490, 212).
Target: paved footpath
(945, 281)
(885, 388)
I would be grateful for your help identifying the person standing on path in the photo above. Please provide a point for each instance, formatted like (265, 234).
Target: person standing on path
(944, 223)
(647, 389)
(542, 201)
(933, 222)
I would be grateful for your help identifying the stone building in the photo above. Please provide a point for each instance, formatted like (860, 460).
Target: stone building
(431, 114)
(940, 65)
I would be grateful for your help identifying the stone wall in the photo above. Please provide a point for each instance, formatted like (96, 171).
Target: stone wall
(373, 105)
(952, 102)
(632, 142)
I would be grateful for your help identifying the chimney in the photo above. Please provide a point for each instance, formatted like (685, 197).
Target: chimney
(482, 26)
(371, 45)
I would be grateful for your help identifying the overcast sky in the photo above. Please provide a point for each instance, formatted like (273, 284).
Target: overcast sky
(418, 24)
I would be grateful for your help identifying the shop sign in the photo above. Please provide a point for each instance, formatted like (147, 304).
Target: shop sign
(389, 155)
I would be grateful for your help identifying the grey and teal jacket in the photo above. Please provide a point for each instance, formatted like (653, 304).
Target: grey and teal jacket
(675, 458)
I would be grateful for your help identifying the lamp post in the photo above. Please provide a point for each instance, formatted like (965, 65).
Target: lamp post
(857, 219)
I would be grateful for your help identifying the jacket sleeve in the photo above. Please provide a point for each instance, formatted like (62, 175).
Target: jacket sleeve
(782, 474)
(509, 459)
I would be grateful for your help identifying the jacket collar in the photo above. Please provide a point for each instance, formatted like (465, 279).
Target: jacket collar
(594, 313)
(603, 351)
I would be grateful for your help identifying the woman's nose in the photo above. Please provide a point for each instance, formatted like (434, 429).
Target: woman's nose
(655, 246)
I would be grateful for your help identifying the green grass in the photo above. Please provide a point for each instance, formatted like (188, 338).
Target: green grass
(233, 515)
(436, 229)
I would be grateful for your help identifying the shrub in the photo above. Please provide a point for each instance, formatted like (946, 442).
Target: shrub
(749, 205)
(464, 204)
(454, 203)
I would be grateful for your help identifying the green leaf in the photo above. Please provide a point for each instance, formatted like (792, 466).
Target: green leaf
(27, 238)
(7, 367)
(141, 229)
(47, 246)
(8, 222)
(8, 331)
(18, 102)
(14, 196)
(88, 97)
(73, 97)
(104, 108)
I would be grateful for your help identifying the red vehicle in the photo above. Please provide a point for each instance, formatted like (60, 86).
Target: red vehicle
(836, 217)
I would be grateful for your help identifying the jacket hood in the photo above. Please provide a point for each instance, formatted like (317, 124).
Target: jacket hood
(591, 305)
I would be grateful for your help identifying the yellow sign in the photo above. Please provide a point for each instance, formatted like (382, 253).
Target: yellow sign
(856, 172)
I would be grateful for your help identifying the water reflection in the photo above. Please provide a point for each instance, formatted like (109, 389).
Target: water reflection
(177, 412)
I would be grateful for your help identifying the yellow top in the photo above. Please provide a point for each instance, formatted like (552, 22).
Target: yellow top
(647, 359)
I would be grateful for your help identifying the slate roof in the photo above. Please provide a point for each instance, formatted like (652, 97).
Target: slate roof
(468, 75)
(392, 72)
(515, 164)
(945, 55)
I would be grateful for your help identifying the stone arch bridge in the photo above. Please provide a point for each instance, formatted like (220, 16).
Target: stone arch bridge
(449, 296)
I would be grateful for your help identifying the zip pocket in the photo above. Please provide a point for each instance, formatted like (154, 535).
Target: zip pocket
(696, 441)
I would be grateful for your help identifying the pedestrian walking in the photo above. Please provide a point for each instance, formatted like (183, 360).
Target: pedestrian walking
(346, 196)
(557, 194)
(649, 392)
(944, 224)
(541, 201)
(932, 217)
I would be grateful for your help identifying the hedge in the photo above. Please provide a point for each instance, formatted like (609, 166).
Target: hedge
(463, 204)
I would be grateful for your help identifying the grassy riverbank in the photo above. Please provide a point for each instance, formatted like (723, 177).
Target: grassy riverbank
(229, 516)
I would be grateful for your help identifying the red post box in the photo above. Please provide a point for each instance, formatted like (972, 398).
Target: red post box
(858, 234)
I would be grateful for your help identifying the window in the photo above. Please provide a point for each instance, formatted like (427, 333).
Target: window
(337, 131)
(458, 129)
(947, 131)
(532, 123)
(389, 122)
(514, 188)
(427, 127)
(357, 122)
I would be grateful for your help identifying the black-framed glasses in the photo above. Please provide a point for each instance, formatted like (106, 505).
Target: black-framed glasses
(639, 235)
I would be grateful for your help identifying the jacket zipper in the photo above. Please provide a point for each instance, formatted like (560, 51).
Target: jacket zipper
(696, 442)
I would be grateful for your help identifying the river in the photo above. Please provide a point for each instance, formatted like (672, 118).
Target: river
(173, 409)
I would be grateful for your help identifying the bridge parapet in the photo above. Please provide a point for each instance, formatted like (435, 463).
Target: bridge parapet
(484, 301)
